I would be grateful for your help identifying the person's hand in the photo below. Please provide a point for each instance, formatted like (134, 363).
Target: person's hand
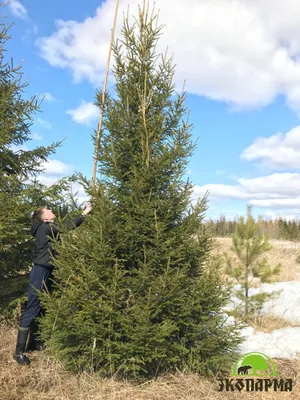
(88, 209)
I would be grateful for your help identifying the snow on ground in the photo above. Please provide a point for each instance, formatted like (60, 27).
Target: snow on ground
(285, 305)
(280, 343)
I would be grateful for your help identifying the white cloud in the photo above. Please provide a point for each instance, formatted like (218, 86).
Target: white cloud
(220, 191)
(17, 9)
(79, 193)
(32, 30)
(277, 151)
(276, 191)
(53, 171)
(220, 172)
(275, 185)
(241, 52)
(85, 113)
(48, 97)
(36, 136)
(288, 214)
(57, 168)
(276, 203)
(16, 148)
(45, 124)
(48, 180)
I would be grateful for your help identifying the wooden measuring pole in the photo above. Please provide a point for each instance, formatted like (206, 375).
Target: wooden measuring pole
(103, 97)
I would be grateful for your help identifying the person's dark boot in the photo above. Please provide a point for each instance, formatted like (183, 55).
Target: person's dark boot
(34, 343)
(20, 347)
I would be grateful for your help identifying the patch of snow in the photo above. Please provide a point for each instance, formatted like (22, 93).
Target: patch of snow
(285, 305)
(280, 343)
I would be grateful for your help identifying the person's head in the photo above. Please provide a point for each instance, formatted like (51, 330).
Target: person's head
(43, 214)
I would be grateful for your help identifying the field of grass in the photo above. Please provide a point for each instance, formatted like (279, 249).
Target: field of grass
(45, 379)
(282, 252)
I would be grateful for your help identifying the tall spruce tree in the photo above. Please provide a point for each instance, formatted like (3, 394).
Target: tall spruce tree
(137, 293)
(19, 193)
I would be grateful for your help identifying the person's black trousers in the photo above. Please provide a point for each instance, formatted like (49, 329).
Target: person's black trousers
(40, 278)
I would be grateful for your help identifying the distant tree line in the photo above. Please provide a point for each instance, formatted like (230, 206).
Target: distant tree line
(279, 228)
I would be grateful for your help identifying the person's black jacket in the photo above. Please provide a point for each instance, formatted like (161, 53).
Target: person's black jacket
(44, 232)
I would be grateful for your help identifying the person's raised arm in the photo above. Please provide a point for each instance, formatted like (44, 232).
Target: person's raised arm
(53, 229)
(74, 223)
(88, 209)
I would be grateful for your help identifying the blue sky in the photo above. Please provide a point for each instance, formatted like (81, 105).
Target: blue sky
(241, 63)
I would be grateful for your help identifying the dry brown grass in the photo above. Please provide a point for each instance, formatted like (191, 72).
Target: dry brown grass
(47, 380)
(282, 252)
(269, 323)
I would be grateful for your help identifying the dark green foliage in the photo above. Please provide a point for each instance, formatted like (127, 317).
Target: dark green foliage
(12, 298)
(20, 193)
(136, 292)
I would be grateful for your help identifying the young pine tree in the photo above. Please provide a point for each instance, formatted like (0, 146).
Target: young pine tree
(136, 292)
(249, 245)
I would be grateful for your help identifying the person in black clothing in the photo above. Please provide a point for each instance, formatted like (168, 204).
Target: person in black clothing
(44, 230)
